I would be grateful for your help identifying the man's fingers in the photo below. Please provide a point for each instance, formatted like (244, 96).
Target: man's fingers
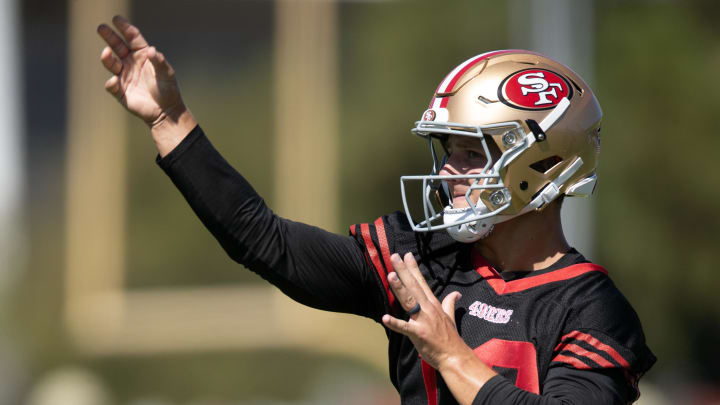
(397, 325)
(162, 68)
(412, 265)
(408, 280)
(130, 32)
(404, 297)
(110, 61)
(112, 85)
(448, 304)
(111, 38)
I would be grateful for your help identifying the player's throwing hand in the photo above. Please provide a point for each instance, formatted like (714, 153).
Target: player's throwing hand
(143, 81)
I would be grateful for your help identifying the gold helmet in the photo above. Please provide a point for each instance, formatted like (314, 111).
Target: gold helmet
(540, 115)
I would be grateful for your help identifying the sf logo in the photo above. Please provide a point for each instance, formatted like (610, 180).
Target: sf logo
(534, 82)
(534, 89)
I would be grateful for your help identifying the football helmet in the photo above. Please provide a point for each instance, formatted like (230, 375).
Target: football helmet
(540, 115)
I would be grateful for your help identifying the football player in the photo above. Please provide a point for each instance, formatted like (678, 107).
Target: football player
(489, 304)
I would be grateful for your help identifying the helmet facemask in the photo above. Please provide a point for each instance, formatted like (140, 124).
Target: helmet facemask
(474, 221)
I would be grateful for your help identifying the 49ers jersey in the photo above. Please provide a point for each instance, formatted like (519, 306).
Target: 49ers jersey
(521, 324)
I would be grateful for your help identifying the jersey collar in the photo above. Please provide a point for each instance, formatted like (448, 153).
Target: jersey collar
(533, 279)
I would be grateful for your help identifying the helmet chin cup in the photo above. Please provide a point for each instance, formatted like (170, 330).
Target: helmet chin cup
(468, 232)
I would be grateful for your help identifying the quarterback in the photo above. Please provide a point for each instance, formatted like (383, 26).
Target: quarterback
(482, 298)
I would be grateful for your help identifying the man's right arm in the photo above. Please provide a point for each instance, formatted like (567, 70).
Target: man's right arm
(312, 266)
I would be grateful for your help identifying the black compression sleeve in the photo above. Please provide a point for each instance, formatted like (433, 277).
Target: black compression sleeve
(564, 386)
(312, 266)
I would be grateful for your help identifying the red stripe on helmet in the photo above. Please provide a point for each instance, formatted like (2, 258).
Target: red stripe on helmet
(458, 75)
(430, 379)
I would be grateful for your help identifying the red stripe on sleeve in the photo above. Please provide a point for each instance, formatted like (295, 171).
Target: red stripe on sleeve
(382, 239)
(596, 344)
(572, 361)
(375, 258)
(430, 380)
(600, 360)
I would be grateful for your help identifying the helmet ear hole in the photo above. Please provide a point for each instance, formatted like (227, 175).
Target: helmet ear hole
(544, 165)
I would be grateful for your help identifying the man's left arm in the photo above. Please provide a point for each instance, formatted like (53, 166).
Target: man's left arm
(432, 330)
(562, 386)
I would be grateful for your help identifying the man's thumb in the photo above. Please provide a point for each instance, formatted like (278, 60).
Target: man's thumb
(162, 68)
(448, 304)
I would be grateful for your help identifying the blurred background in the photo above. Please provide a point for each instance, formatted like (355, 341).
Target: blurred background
(111, 291)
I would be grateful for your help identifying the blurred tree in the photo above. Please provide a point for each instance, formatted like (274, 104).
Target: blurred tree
(658, 216)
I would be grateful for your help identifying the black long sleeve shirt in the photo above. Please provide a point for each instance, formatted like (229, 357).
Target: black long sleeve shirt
(333, 272)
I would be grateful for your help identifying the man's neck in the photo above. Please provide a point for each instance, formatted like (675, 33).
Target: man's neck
(532, 241)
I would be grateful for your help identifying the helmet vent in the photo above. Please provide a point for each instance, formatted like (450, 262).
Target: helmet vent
(578, 88)
(486, 100)
(543, 166)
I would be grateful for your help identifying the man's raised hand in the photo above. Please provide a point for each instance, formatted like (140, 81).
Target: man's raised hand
(144, 83)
